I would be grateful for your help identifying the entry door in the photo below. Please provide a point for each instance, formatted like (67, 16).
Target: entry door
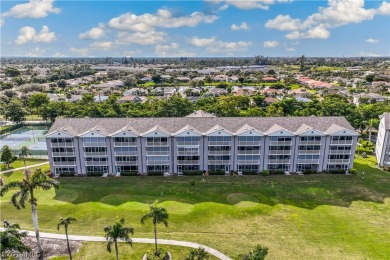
(166, 167)
(227, 168)
(118, 169)
(179, 168)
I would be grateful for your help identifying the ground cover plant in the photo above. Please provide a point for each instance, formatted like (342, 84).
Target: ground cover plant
(318, 216)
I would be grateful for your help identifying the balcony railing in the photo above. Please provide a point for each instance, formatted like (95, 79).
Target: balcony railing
(308, 161)
(339, 151)
(279, 152)
(157, 162)
(252, 143)
(309, 152)
(157, 152)
(64, 163)
(219, 143)
(100, 144)
(97, 163)
(119, 153)
(188, 153)
(124, 163)
(87, 154)
(280, 142)
(63, 154)
(248, 161)
(125, 144)
(310, 142)
(337, 142)
(241, 152)
(279, 161)
(187, 162)
(156, 143)
(219, 152)
(65, 144)
(219, 162)
(180, 143)
(338, 160)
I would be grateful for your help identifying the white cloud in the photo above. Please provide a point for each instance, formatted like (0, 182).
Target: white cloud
(33, 9)
(94, 33)
(172, 50)
(29, 34)
(370, 40)
(163, 18)
(36, 52)
(242, 26)
(59, 54)
(317, 25)
(1, 20)
(142, 38)
(80, 51)
(213, 45)
(369, 54)
(224, 7)
(270, 44)
(290, 49)
(250, 4)
(102, 45)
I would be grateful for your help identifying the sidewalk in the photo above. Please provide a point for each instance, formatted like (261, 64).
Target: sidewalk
(22, 168)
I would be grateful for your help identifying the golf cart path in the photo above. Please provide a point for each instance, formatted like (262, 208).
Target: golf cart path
(22, 168)
(210, 250)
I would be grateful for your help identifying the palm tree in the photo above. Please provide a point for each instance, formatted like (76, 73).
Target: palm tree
(11, 239)
(24, 153)
(115, 232)
(158, 215)
(198, 254)
(38, 180)
(66, 222)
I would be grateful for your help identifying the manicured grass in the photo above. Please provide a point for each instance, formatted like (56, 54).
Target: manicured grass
(319, 216)
(97, 251)
(19, 163)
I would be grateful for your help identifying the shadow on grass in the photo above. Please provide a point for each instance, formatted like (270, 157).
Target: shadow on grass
(307, 191)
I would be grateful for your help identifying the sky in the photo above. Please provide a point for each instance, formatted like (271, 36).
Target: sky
(212, 28)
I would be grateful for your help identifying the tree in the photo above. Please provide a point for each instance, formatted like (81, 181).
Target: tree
(12, 72)
(383, 88)
(11, 239)
(37, 100)
(370, 78)
(61, 83)
(197, 254)
(7, 156)
(24, 153)
(258, 254)
(156, 78)
(15, 112)
(158, 215)
(302, 63)
(27, 186)
(115, 232)
(66, 222)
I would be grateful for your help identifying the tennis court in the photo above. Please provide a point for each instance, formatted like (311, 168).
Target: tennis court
(30, 136)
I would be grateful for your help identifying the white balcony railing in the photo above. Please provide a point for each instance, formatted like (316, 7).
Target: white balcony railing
(73, 163)
(250, 143)
(316, 152)
(279, 161)
(338, 160)
(339, 151)
(248, 161)
(337, 142)
(125, 144)
(100, 144)
(165, 162)
(157, 153)
(63, 154)
(219, 162)
(310, 142)
(121, 153)
(308, 161)
(280, 142)
(219, 143)
(87, 154)
(181, 143)
(188, 162)
(284, 152)
(219, 152)
(241, 152)
(186, 153)
(156, 143)
(125, 163)
(68, 144)
(96, 163)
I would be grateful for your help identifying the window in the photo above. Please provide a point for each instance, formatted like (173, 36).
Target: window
(188, 139)
(62, 150)
(95, 149)
(125, 158)
(125, 139)
(273, 148)
(157, 139)
(96, 159)
(340, 148)
(94, 139)
(125, 149)
(308, 157)
(249, 138)
(280, 138)
(248, 157)
(219, 138)
(309, 147)
(64, 159)
(157, 158)
(62, 140)
(310, 138)
(188, 158)
(219, 148)
(339, 157)
(341, 138)
(278, 157)
(219, 158)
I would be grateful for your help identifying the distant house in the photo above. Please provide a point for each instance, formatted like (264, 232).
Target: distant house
(303, 99)
(100, 98)
(217, 91)
(270, 100)
(269, 79)
(183, 79)
(132, 98)
(243, 92)
(232, 79)
(374, 98)
(146, 79)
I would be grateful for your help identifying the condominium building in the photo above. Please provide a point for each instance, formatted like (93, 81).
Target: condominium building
(200, 142)
(382, 147)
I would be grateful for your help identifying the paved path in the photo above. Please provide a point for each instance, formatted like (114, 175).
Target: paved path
(135, 240)
(22, 168)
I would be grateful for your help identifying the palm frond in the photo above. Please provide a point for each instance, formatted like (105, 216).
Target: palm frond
(14, 199)
(25, 193)
(13, 184)
(109, 244)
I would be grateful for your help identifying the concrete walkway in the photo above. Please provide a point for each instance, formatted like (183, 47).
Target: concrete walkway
(22, 168)
(210, 250)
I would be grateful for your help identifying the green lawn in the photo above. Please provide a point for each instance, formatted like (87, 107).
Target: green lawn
(298, 217)
(19, 163)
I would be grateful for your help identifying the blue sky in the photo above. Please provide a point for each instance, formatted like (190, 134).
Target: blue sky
(195, 28)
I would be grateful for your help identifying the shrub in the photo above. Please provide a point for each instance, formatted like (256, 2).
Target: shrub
(277, 172)
(265, 172)
(162, 254)
(259, 253)
(155, 174)
(192, 183)
(249, 172)
(386, 168)
(66, 174)
(352, 171)
(129, 173)
(216, 172)
(306, 172)
(336, 172)
(94, 174)
(197, 254)
(192, 173)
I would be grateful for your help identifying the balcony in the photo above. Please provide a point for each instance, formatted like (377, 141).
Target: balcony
(339, 151)
(100, 144)
(165, 162)
(125, 144)
(64, 154)
(249, 143)
(181, 143)
(121, 153)
(338, 161)
(65, 144)
(310, 142)
(284, 152)
(308, 161)
(125, 163)
(219, 152)
(316, 152)
(219, 162)
(188, 162)
(248, 152)
(65, 163)
(156, 143)
(87, 154)
(157, 152)
(219, 143)
(248, 161)
(96, 163)
(277, 143)
(279, 161)
(188, 153)
(338, 142)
